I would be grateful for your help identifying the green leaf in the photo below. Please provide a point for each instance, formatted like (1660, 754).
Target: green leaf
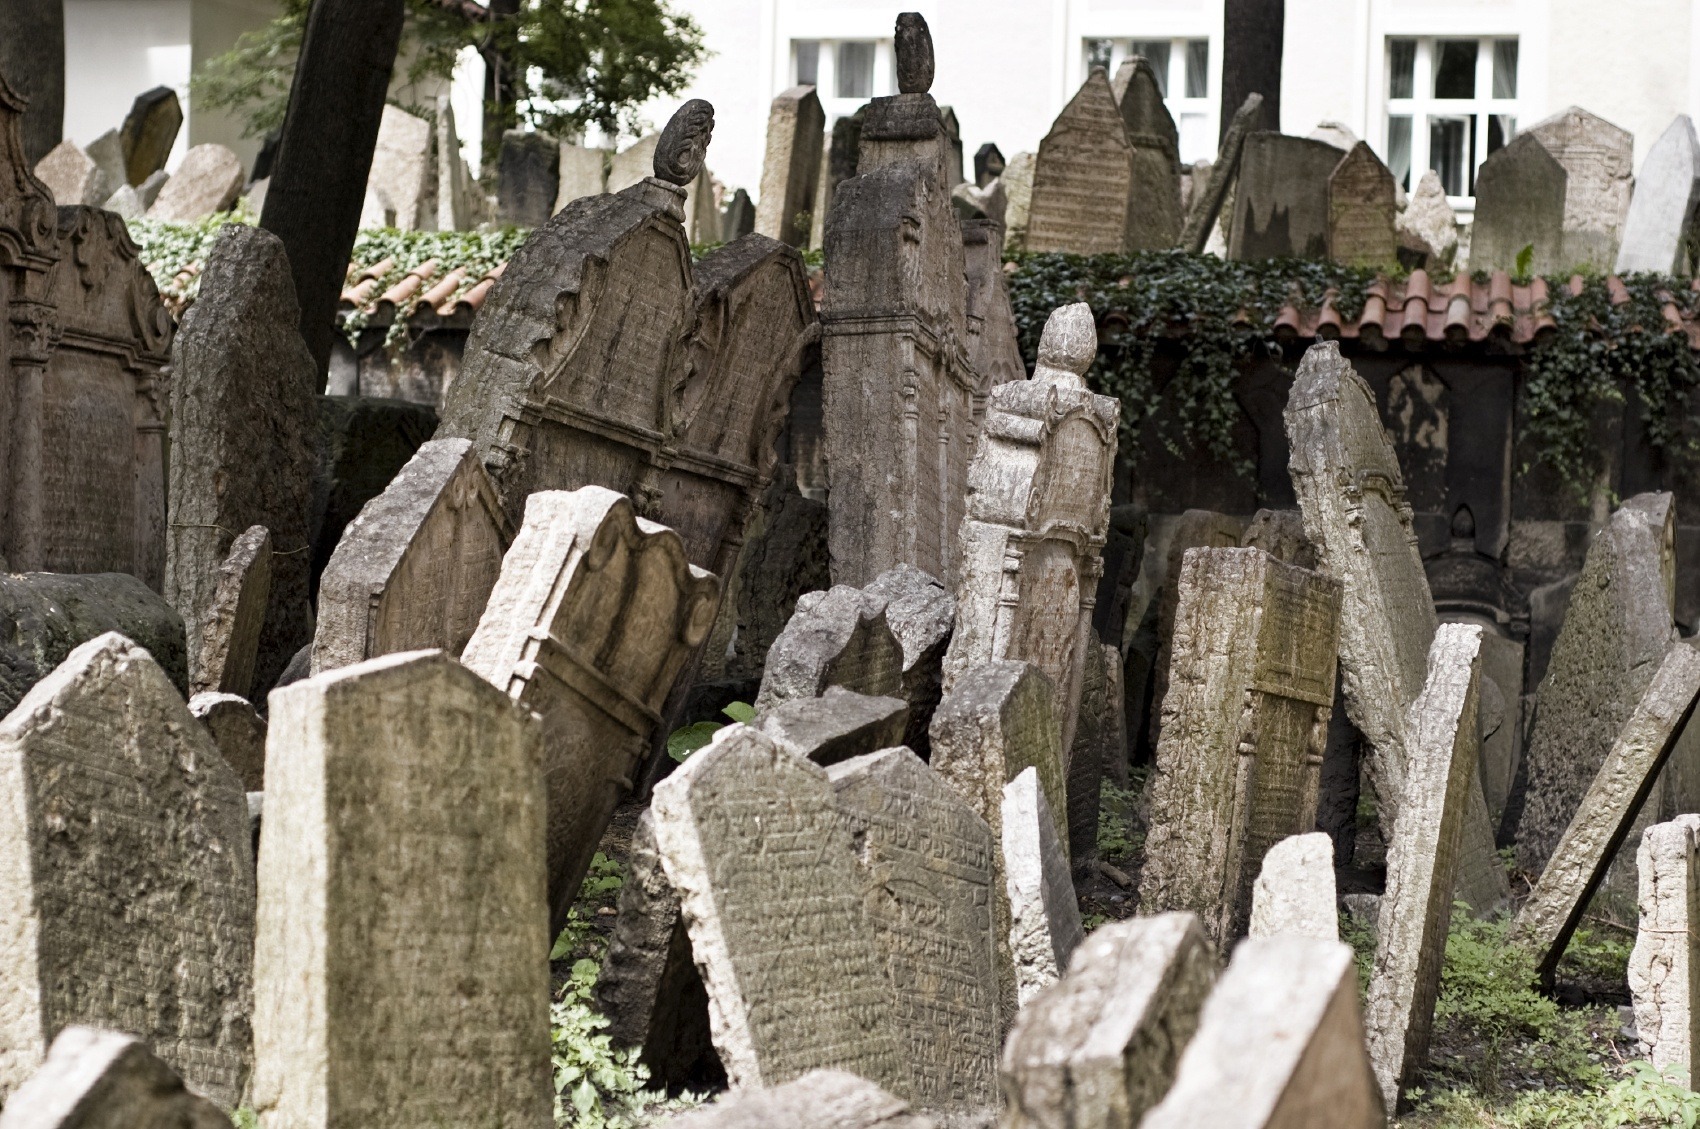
(740, 712)
(681, 743)
(1525, 260)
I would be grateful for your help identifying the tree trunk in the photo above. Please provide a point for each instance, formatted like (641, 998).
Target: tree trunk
(319, 182)
(1251, 58)
(32, 57)
(503, 85)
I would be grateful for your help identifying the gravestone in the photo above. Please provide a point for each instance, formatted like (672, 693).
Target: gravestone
(994, 345)
(1207, 202)
(1361, 210)
(796, 133)
(416, 567)
(73, 177)
(836, 726)
(242, 395)
(783, 560)
(1428, 225)
(1501, 714)
(1038, 515)
(1043, 926)
(1659, 229)
(835, 638)
(126, 878)
(94, 1079)
(1083, 195)
(1281, 534)
(1664, 967)
(766, 873)
(953, 136)
(1154, 223)
(1294, 893)
(107, 152)
(1101, 1046)
(1599, 164)
(989, 164)
(455, 191)
(1017, 182)
(925, 865)
(739, 218)
(149, 132)
(528, 177)
(583, 172)
(821, 1099)
(1423, 858)
(1616, 632)
(208, 179)
(1086, 753)
(1194, 529)
(631, 165)
(1602, 821)
(401, 189)
(1245, 723)
(223, 658)
(238, 730)
(1279, 1045)
(1520, 203)
(401, 860)
(593, 616)
(921, 613)
(1281, 199)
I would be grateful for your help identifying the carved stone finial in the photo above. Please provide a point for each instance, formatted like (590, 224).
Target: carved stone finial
(914, 54)
(1067, 347)
(684, 143)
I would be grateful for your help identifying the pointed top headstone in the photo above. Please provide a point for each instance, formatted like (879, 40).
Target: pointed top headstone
(914, 49)
(1140, 97)
(684, 143)
(1068, 345)
(1660, 225)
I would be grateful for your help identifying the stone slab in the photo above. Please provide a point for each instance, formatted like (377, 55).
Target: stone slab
(796, 136)
(1361, 210)
(1664, 966)
(835, 638)
(836, 726)
(921, 612)
(1083, 197)
(73, 177)
(1520, 202)
(229, 642)
(238, 730)
(1155, 225)
(1281, 200)
(1206, 206)
(1598, 160)
(1044, 915)
(149, 131)
(528, 177)
(208, 179)
(401, 189)
(96, 1079)
(1294, 893)
(1658, 230)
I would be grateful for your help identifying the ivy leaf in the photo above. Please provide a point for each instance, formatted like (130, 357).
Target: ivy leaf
(740, 712)
(682, 742)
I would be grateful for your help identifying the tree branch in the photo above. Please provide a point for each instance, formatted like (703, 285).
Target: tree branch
(468, 10)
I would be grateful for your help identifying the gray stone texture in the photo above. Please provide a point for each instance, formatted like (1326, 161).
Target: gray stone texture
(401, 189)
(1044, 915)
(994, 347)
(796, 135)
(1361, 210)
(1279, 1045)
(1194, 529)
(73, 177)
(207, 180)
(224, 655)
(238, 730)
(784, 558)
(594, 614)
(1599, 162)
(1017, 181)
(1664, 966)
(149, 132)
(455, 191)
(1101, 1046)
(840, 637)
(94, 1079)
(126, 878)
(921, 613)
(242, 418)
(415, 568)
(821, 1099)
(1427, 224)
(1280, 533)
(1294, 893)
(836, 726)
(528, 177)
(1206, 205)
(1155, 223)
(1521, 193)
(1659, 228)
(1083, 196)
(401, 870)
(583, 172)
(1281, 200)
(1086, 753)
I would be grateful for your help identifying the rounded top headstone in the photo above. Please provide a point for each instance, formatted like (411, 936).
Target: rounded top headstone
(1068, 345)
(684, 143)
(914, 54)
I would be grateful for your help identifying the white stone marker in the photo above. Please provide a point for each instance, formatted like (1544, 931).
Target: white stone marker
(1295, 890)
(1664, 966)
(96, 1079)
(1044, 915)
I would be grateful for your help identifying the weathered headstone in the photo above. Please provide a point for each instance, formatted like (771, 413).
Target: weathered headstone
(149, 132)
(835, 638)
(796, 133)
(242, 442)
(1616, 632)
(1501, 716)
(1038, 514)
(1194, 529)
(989, 164)
(1428, 225)
(1664, 966)
(953, 137)
(994, 346)
(401, 860)
(593, 615)
(454, 198)
(401, 190)
(1017, 182)
(1279, 1045)
(1207, 202)
(1083, 197)
(751, 839)
(207, 180)
(528, 177)
(1281, 198)
(1245, 722)
(126, 878)
(238, 730)
(1281, 534)
(1294, 893)
(1423, 860)
(1086, 754)
(73, 177)
(836, 726)
(925, 864)
(739, 218)
(583, 172)
(1044, 917)
(222, 659)
(416, 567)
(1154, 223)
(1101, 1046)
(821, 1099)
(1659, 230)
(629, 166)
(1598, 161)
(921, 613)
(1602, 821)
(1361, 210)
(96, 1079)
(1520, 203)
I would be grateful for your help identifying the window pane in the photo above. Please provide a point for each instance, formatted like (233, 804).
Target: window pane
(1197, 142)
(1501, 129)
(1505, 68)
(808, 61)
(1449, 152)
(1156, 52)
(1098, 53)
(1399, 150)
(1455, 68)
(1198, 68)
(855, 70)
(1401, 68)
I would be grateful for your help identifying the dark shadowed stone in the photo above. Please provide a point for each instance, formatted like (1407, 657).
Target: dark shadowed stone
(529, 177)
(1155, 223)
(362, 443)
(914, 50)
(1281, 204)
(32, 59)
(149, 132)
(988, 164)
(921, 614)
(1361, 210)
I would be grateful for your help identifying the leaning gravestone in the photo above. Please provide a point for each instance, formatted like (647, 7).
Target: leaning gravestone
(1294, 893)
(836, 726)
(1043, 920)
(108, 152)
(415, 568)
(1207, 203)
(96, 1079)
(989, 164)
(1194, 529)
(1281, 203)
(796, 132)
(921, 613)
(593, 616)
(1659, 230)
(149, 132)
(925, 863)
(1520, 204)
(1039, 494)
(73, 177)
(835, 638)
(528, 177)
(1083, 196)
(1599, 164)
(994, 345)
(238, 730)
(1155, 224)
(242, 413)
(207, 180)
(820, 1099)
(454, 196)
(401, 873)
(222, 659)
(1664, 966)
(126, 876)
(1245, 722)
(1101, 1046)
(401, 189)
(1279, 1045)
(765, 869)
(1423, 861)
(1361, 210)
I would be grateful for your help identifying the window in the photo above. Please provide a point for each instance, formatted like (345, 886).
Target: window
(1450, 102)
(855, 70)
(845, 72)
(1182, 67)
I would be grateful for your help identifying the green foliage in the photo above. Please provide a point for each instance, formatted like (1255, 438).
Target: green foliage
(1641, 1098)
(245, 1118)
(167, 250)
(684, 741)
(1598, 954)
(479, 252)
(1117, 837)
(1525, 260)
(1357, 934)
(252, 78)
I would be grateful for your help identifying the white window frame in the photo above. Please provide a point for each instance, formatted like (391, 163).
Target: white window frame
(1121, 48)
(1423, 104)
(826, 72)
